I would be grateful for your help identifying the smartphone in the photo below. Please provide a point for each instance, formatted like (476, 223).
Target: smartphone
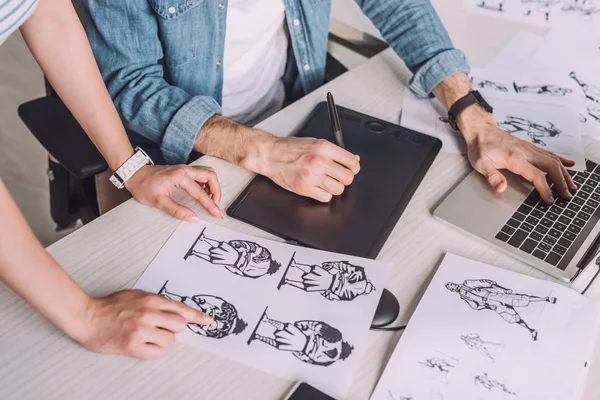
(303, 391)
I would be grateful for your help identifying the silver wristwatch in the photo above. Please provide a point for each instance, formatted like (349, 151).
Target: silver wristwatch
(130, 167)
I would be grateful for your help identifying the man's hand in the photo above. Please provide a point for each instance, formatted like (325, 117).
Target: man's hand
(152, 185)
(490, 149)
(309, 167)
(135, 323)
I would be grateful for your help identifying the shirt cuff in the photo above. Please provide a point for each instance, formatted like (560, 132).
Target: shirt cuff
(436, 69)
(180, 135)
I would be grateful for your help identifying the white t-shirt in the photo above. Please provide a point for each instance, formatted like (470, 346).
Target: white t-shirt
(254, 60)
(13, 14)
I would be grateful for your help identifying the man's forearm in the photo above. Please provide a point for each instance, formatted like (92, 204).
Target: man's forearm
(240, 145)
(58, 42)
(471, 120)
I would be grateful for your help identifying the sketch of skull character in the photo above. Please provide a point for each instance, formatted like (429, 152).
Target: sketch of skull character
(335, 280)
(534, 130)
(481, 83)
(494, 5)
(490, 384)
(485, 294)
(241, 257)
(547, 90)
(225, 315)
(475, 342)
(313, 342)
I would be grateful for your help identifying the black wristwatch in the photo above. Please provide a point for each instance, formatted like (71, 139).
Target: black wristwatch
(462, 104)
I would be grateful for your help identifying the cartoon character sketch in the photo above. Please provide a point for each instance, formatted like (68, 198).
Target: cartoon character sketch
(475, 342)
(485, 381)
(494, 5)
(438, 363)
(334, 280)
(547, 90)
(241, 257)
(227, 320)
(312, 342)
(485, 294)
(592, 96)
(583, 7)
(481, 83)
(534, 130)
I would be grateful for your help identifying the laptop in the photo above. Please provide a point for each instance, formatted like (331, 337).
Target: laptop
(557, 239)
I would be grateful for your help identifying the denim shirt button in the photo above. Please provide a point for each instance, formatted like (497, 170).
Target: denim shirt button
(218, 63)
(296, 22)
(221, 6)
(171, 10)
(306, 67)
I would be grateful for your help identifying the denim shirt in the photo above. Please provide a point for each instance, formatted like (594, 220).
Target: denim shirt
(162, 59)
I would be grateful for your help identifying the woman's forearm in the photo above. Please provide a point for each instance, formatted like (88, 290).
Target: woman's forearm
(58, 42)
(32, 273)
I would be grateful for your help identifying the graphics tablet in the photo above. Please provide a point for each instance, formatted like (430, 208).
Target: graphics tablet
(393, 161)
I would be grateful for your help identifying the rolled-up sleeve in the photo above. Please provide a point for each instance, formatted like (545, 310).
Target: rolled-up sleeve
(414, 30)
(124, 37)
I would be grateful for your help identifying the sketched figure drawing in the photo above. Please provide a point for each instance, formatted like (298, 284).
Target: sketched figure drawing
(392, 397)
(334, 280)
(547, 90)
(439, 364)
(475, 342)
(534, 130)
(227, 320)
(312, 342)
(481, 83)
(542, 6)
(241, 257)
(494, 5)
(582, 7)
(485, 381)
(484, 294)
(592, 97)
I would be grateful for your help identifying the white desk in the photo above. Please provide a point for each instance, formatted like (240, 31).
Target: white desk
(38, 362)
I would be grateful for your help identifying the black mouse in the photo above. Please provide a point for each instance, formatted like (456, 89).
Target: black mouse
(387, 311)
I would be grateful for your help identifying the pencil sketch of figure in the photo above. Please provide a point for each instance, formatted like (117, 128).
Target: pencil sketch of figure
(313, 342)
(227, 320)
(475, 342)
(485, 381)
(241, 257)
(542, 6)
(494, 5)
(439, 364)
(591, 92)
(481, 83)
(594, 112)
(334, 280)
(484, 294)
(392, 397)
(534, 130)
(547, 90)
(582, 7)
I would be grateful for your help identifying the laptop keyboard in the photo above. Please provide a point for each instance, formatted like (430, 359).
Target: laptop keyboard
(555, 233)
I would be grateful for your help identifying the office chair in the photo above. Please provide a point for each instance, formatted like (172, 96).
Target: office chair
(74, 161)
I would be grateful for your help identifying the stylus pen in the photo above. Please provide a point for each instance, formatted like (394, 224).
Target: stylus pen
(334, 118)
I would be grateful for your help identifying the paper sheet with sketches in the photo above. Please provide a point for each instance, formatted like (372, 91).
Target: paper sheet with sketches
(482, 332)
(552, 127)
(538, 12)
(295, 312)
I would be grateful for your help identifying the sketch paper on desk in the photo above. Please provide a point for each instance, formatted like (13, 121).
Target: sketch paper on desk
(571, 46)
(538, 12)
(492, 334)
(299, 313)
(553, 127)
(520, 49)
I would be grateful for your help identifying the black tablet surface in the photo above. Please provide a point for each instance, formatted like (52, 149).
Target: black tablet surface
(393, 161)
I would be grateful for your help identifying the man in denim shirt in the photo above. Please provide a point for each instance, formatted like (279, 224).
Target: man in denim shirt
(186, 75)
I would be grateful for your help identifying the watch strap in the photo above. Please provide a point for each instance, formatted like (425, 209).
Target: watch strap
(472, 98)
(130, 167)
